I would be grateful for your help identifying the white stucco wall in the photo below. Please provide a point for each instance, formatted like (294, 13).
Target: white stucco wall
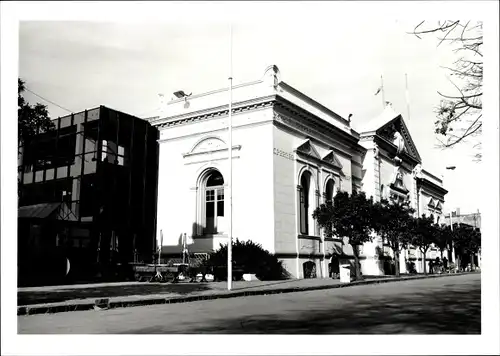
(252, 179)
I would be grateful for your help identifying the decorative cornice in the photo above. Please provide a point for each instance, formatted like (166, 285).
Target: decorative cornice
(314, 103)
(292, 124)
(216, 112)
(428, 185)
(289, 109)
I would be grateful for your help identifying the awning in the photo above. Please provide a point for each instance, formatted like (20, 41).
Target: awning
(57, 211)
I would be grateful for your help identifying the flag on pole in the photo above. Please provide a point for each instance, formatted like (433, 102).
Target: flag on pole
(378, 91)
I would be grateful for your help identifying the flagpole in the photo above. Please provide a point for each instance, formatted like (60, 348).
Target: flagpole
(230, 159)
(407, 97)
(383, 93)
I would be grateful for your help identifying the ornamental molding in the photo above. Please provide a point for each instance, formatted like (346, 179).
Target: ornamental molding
(304, 129)
(332, 159)
(308, 149)
(397, 134)
(307, 154)
(304, 119)
(214, 113)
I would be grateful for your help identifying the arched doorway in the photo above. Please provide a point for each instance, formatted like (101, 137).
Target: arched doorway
(309, 268)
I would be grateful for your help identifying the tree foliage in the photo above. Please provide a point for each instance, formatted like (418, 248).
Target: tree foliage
(32, 119)
(443, 238)
(394, 224)
(252, 257)
(466, 240)
(424, 232)
(350, 216)
(459, 114)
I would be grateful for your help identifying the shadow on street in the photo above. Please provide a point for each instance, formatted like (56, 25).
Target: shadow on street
(449, 311)
(27, 298)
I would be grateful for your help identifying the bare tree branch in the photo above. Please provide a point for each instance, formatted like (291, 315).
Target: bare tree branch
(454, 111)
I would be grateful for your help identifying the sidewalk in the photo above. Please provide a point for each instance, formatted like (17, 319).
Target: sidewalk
(54, 299)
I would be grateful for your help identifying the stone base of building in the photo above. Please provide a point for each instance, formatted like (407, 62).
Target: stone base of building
(319, 267)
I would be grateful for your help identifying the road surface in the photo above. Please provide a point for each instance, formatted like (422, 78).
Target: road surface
(448, 305)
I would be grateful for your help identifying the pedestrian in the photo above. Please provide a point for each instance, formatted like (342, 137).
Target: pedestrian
(445, 263)
(438, 265)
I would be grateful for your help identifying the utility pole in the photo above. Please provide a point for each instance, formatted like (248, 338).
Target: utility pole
(230, 159)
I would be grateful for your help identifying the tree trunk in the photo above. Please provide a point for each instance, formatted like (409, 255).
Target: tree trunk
(423, 260)
(472, 264)
(356, 262)
(396, 260)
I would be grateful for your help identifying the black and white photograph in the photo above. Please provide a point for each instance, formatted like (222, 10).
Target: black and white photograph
(293, 170)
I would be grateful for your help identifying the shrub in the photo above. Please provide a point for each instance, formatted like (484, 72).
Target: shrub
(252, 258)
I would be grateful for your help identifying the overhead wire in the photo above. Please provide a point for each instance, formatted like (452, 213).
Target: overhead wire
(49, 101)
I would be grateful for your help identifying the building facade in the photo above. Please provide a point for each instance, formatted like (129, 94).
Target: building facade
(99, 167)
(393, 171)
(289, 155)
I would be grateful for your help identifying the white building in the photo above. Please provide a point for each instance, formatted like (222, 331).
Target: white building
(393, 170)
(290, 154)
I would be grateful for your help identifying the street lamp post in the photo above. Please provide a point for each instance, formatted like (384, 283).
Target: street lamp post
(453, 259)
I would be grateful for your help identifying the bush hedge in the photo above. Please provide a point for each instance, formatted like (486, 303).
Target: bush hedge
(248, 257)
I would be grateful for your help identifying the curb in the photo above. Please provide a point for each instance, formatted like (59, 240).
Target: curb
(106, 303)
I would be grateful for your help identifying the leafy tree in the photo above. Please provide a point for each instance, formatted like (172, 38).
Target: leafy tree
(423, 237)
(394, 225)
(32, 119)
(459, 115)
(443, 238)
(467, 241)
(252, 258)
(350, 216)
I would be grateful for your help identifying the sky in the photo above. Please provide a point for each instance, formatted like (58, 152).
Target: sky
(339, 63)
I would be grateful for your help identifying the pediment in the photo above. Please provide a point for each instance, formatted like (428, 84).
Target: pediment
(397, 133)
(308, 149)
(431, 203)
(207, 145)
(332, 159)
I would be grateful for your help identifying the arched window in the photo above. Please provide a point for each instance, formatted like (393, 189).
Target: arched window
(329, 189)
(213, 202)
(305, 186)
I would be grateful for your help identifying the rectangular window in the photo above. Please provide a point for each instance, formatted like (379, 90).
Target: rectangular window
(220, 208)
(112, 153)
(303, 214)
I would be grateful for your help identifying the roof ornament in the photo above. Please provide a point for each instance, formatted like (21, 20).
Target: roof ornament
(399, 142)
(273, 75)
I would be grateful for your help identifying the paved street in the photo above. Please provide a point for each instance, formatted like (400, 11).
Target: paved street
(449, 305)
